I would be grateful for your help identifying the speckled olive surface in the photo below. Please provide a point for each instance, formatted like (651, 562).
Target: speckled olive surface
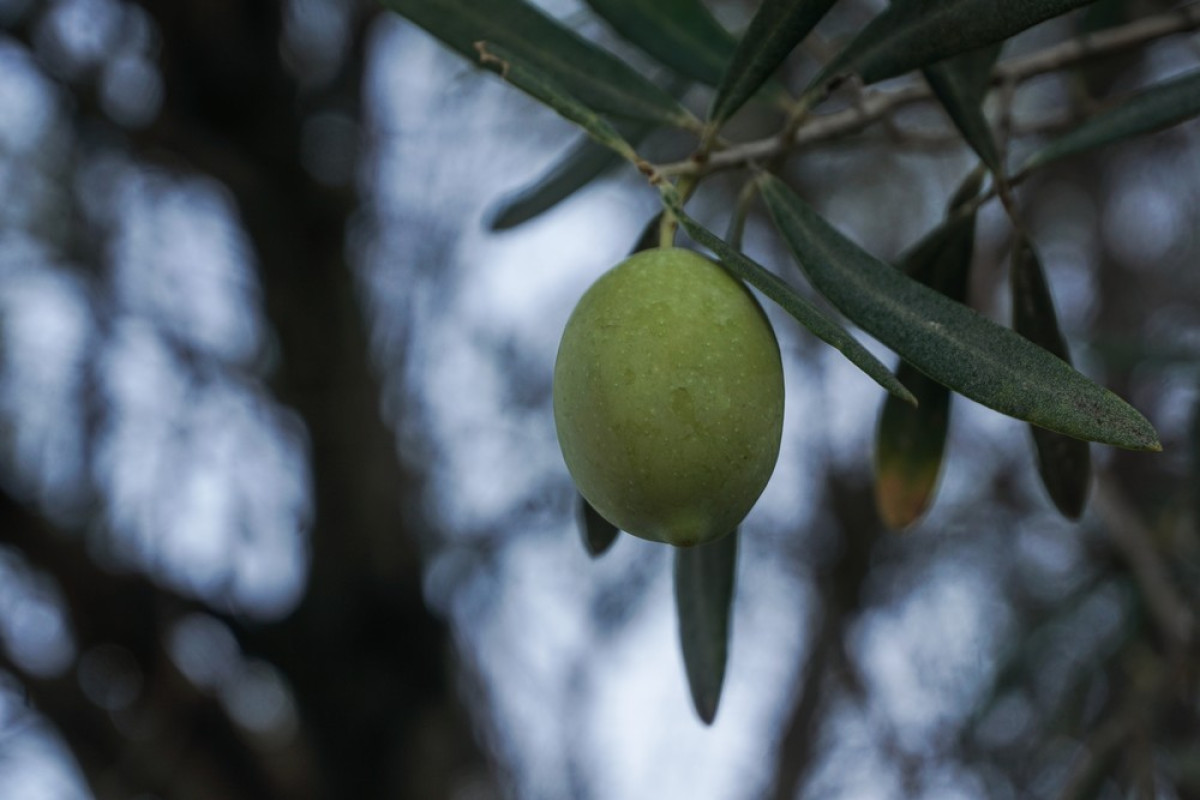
(668, 397)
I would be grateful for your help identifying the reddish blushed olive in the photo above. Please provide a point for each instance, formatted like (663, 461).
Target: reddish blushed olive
(668, 397)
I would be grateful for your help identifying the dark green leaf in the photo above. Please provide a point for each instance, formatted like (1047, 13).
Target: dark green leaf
(769, 284)
(537, 84)
(1150, 110)
(704, 580)
(961, 85)
(598, 533)
(911, 34)
(583, 164)
(1064, 463)
(597, 78)
(948, 341)
(910, 441)
(777, 27)
(681, 34)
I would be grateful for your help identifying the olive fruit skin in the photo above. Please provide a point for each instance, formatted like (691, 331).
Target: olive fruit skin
(668, 397)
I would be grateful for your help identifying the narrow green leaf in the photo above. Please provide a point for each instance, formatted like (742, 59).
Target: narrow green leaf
(537, 84)
(1065, 464)
(704, 581)
(598, 533)
(910, 441)
(948, 341)
(961, 85)
(583, 164)
(777, 27)
(770, 285)
(911, 34)
(1152, 109)
(597, 78)
(682, 34)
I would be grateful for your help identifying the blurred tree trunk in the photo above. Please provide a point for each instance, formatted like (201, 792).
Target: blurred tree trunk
(371, 667)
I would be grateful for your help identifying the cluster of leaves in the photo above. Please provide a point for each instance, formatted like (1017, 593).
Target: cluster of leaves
(918, 310)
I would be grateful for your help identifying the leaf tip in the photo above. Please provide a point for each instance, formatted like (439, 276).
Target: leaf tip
(1144, 438)
(501, 220)
(706, 707)
(901, 499)
(598, 534)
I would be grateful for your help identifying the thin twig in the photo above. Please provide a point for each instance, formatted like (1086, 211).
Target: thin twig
(877, 105)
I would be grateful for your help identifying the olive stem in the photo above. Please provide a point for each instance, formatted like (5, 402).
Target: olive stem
(669, 224)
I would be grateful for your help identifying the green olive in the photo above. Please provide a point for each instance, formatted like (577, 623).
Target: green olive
(668, 397)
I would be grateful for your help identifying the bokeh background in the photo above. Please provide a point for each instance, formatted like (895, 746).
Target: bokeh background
(282, 514)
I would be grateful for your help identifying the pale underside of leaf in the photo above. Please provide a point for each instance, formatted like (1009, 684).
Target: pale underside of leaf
(704, 586)
(776, 29)
(1152, 109)
(597, 78)
(948, 341)
(780, 292)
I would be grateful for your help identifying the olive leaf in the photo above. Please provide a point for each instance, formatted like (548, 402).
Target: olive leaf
(1064, 464)
(585, 162)
(948, 341)
(704, 584)
(682, 34)
(910, 441)
(792, 302)
(910, 34)
(778, 26)
(1158, 107)
(960, 85)
(598, 533)
(597, 78)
